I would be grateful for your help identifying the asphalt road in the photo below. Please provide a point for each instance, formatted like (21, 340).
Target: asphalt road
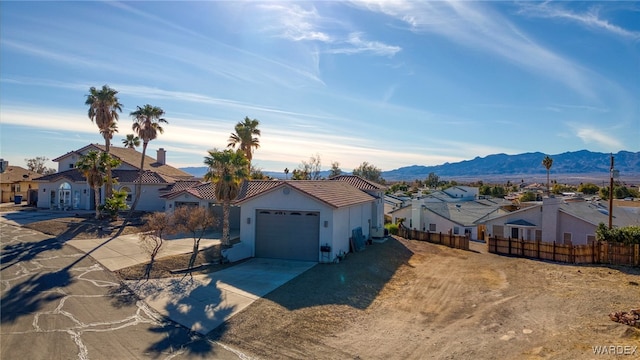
(57, 303)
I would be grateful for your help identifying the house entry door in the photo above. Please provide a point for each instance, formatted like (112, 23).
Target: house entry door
(64, 196)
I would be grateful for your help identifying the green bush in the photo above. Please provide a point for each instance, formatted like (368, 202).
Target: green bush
(117, 202)
(392, 228)
(625, 235)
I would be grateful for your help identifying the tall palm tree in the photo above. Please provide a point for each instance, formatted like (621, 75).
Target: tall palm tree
(131, 141)
(245, 137)
(227, 170)
(103, 110)
(94, 167)
(547, 162)
(146, 123)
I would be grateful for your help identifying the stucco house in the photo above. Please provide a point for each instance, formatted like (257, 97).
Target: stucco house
(565, 220)
(459, 217)
(310, 220)
(16, 180)
(68, 189)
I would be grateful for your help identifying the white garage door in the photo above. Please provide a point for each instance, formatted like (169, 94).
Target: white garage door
(292, 235)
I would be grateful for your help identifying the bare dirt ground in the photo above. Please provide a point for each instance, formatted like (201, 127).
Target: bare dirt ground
(413, 300)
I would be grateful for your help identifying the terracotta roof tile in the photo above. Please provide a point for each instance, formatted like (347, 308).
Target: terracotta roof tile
(358, 182)
(132, 157)
(123, 176)
(333, 193)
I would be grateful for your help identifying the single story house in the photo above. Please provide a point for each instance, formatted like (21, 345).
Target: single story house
(459, 217)
(68, 189)
(563, 220)
(310, 220)
(17, 181)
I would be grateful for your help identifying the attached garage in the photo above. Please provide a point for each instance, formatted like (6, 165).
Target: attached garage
(293, 235)
(296, 220)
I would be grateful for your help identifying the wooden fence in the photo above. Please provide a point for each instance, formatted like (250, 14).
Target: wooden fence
(600, 252)
(448, 239)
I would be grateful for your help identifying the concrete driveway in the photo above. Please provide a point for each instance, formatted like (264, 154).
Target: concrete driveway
(206, 301)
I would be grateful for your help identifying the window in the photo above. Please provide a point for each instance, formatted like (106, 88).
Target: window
(566, 238)
(15, 187)
(432, 227)
(591, 238)
(456, 230)
(70, 166)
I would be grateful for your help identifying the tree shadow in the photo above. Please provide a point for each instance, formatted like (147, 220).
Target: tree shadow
(194, 307)
(26, 251)
(28, 296)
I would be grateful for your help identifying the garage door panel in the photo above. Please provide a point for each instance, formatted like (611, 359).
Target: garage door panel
(287, 234)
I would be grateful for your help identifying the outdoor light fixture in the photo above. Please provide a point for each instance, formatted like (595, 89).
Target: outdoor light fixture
(248, 220)
(44, 190)
(326, 223)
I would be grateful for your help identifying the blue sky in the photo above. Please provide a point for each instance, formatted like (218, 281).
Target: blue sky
(391, 83)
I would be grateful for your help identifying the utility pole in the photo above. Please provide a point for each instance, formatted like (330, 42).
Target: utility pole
(611, 194)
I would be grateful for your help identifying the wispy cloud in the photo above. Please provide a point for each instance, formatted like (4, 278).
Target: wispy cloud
(299, 24)
(591, 18)
(358, 45)
(474, 25)
(596, 136)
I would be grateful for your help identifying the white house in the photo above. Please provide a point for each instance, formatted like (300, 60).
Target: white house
(68, 189)
(302, 219)
(459, 217)
(563, 220)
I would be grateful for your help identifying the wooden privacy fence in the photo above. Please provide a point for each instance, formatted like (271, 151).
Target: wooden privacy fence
(448, 239)
(600, 252)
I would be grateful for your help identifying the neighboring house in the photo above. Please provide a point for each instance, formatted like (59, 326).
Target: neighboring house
(454, 193)
(68, 189)
(16, 180)
(393, 202)
(563, 220)
(458, 217)
(200, 194)
(296, 219)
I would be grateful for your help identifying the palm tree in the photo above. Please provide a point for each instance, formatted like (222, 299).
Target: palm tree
(146, 123)
(94, 166)
(227, 170)
(245, 137)
(131, 141)
(547, 162)
(103, 110)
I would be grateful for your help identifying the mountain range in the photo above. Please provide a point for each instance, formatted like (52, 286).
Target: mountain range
(576, 162)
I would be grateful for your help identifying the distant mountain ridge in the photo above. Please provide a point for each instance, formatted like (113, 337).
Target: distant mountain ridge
(576, 162)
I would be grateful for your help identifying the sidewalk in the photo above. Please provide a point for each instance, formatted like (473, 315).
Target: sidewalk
(125, 250)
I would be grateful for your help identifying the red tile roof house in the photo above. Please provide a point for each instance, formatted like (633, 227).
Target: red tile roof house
(294, 219)
(68, 189)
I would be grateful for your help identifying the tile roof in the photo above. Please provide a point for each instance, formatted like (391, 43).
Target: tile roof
(465, 213)
(132, 157)
(359, 182)
(15, 174)
(204, 191)
(123, 176)
(333, 193)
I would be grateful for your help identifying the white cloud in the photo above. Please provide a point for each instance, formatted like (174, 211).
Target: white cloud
(474, 25)
(590, 19)
(595, 136)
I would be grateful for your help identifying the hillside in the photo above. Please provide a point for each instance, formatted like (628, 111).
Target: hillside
(577, 162)
(530, 164)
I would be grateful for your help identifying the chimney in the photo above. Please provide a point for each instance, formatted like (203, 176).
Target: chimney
(162, 156)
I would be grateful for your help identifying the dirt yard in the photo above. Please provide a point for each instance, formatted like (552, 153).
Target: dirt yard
(412, 300)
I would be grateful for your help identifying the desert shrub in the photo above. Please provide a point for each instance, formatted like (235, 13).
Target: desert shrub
(392, 228)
